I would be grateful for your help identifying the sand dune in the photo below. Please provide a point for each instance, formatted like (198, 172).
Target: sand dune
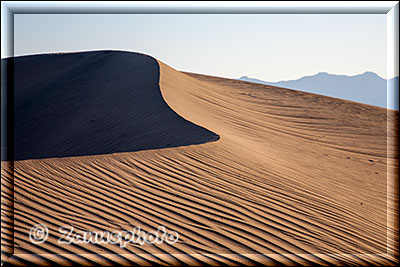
(289, 177)
(94, 103)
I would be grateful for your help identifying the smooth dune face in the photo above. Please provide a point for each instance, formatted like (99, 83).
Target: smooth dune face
(295, 178)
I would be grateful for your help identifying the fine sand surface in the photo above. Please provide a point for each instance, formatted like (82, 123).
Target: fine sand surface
(244, 173)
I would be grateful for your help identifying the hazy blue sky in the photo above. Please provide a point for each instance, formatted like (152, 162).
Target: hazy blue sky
(270, 47)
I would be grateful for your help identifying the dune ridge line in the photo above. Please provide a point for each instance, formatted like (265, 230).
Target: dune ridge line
(295, 178)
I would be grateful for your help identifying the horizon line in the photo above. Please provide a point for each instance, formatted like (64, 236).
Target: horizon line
(124, 50)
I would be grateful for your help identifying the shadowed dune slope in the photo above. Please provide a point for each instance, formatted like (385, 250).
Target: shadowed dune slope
(93, 103)
(295, 178)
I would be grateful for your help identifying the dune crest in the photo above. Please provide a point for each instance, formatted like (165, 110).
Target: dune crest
(93, 103)
(295, 178)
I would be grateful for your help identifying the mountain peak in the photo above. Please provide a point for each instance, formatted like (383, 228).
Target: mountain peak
(322, 73)
(370, 73)
(368, 87)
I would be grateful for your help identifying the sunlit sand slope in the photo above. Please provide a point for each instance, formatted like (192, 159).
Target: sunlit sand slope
(295, 178)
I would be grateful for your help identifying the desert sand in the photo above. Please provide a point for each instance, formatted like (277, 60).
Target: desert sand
(246, 173)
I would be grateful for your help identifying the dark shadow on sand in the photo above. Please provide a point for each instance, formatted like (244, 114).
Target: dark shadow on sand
(91, 103)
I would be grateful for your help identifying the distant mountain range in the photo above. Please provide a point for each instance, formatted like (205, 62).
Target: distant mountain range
(367, 88)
